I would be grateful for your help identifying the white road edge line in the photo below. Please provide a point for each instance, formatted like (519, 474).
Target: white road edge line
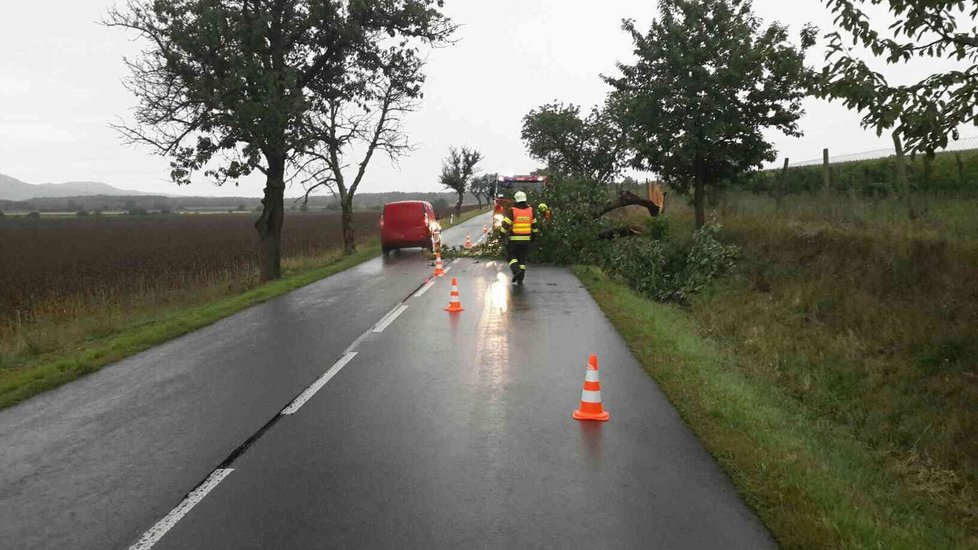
(447, 269)
(386, 322)
(424, 288)
(318, 384)
(156, 532)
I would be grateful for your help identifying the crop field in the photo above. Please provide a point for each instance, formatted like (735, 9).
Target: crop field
(62, 267)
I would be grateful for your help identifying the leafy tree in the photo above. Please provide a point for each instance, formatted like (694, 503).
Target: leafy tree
(926, 113)
(484, 187)
(227, 86)
(457, 169)
(709, 79)
(592, 147)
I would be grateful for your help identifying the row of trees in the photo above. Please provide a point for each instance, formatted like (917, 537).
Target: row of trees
(709, 79)
(309, 90)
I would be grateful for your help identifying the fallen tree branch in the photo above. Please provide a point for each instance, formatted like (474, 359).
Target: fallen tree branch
(627, 198)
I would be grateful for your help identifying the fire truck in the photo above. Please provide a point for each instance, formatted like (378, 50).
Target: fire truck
(509, 185)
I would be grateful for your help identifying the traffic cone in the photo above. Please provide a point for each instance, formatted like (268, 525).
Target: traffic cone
(591, 408)
(485, 229)
(439, 269)
(468, 241)
(454, 305)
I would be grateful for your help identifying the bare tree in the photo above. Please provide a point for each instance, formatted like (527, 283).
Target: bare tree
(368, 116)
(457, 169)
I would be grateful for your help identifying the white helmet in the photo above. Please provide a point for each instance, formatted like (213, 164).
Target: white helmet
(519, 197)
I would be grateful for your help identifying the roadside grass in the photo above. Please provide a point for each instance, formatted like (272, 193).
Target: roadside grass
(808, 477)
(88, 344)
(47, 353)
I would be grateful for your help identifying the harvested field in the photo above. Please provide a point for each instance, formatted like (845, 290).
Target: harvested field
(60, 267)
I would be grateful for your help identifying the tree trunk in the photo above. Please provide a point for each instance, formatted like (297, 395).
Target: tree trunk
(699, 201)
(269, 224)
(349, 234)
(458, 205)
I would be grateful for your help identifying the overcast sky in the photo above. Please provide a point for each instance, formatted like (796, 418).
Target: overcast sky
(61, 72)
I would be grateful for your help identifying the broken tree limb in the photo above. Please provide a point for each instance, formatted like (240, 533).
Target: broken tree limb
(624, 231)
(627, 198)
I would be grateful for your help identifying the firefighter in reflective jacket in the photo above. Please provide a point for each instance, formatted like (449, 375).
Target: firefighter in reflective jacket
(520, 227)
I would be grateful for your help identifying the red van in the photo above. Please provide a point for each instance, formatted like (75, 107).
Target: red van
(407, 224)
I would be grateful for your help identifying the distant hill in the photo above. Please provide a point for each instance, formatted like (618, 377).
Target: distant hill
(12, 189)
(91, 203)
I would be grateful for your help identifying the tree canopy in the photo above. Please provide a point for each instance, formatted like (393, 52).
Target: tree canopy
(709, 78)
(484, 187)
(926, 113)
(592, 147)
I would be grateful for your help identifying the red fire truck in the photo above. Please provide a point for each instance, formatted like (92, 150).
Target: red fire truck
(504, 193)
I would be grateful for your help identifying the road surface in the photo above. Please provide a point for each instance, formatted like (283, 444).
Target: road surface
(439, 431)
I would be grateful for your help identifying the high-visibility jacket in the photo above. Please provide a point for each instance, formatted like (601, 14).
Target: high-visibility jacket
(520, 225)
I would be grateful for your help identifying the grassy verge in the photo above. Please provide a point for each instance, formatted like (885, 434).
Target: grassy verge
(809, 479)
(149, 328)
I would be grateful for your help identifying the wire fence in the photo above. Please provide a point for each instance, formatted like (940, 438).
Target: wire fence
(962, 144)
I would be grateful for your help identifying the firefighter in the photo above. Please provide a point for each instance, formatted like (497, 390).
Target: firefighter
(545, 212)
(519, 228)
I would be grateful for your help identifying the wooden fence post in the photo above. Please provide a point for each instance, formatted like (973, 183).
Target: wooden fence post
(783, 184)
(903, 186)
(826, 170)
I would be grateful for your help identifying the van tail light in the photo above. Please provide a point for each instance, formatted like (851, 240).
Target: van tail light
(381, 221)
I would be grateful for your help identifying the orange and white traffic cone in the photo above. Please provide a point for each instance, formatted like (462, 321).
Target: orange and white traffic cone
(454, 305)
(591, 408)
(468, 241)
(439, 269)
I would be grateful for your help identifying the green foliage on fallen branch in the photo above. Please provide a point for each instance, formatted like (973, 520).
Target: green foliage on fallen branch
(657, 264)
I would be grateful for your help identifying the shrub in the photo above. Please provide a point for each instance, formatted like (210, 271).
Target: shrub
(34, 215)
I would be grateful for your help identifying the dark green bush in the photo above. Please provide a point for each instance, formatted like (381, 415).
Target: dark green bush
(657, 264)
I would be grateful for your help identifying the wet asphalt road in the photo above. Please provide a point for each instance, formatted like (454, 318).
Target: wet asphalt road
(94, 463)
(455, 431)
(443, 431)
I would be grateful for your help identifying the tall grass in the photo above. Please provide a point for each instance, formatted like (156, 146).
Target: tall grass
(869, 321)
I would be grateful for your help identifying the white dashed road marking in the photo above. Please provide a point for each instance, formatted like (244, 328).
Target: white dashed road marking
(155, 533)
(386, 322)
(319, 383)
